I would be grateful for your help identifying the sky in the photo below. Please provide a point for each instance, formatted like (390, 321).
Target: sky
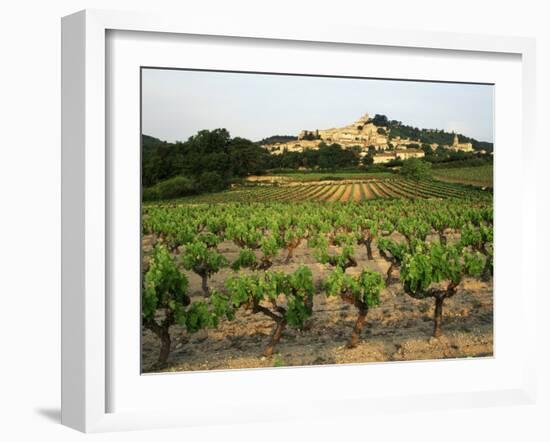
(176, 104)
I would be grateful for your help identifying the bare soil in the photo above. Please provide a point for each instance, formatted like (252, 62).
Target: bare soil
(338, 194)
(398, 330)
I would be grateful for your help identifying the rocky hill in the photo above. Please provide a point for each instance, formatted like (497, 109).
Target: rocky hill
(380, 134)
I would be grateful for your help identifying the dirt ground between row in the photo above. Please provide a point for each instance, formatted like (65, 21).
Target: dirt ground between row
(398, 330)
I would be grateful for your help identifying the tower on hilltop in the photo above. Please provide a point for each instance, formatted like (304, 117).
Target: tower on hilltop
(455, 140)
(363, 120)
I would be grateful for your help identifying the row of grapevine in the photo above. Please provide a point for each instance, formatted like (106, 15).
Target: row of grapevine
(347, 192)
(430, 246)
(166, 302)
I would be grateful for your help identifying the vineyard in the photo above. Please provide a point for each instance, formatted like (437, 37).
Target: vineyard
(296, 275)
(341, 191)
(323, 176)
(477, 176)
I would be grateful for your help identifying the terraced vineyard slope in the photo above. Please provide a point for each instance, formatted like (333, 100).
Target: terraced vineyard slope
(341, 191)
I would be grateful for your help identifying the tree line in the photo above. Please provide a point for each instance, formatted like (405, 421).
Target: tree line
(207, 162)
(211, 161)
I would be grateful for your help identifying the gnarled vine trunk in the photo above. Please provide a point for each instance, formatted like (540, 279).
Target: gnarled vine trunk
(165, 345)
(391, 268)
(350, 262)
(162, 331)
(368, 245)
(359, 324)
(488, 267)
(264, 264)
(280, 321)
(389, 273)
(438, 316)
(363, 309)
(291, 247)
(275, 337)
(204, 284)
(439, 297)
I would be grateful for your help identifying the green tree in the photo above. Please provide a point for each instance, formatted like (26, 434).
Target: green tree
(210, 181)
(174, 187)
(368, 160)
(209, 159)
(246, 157)
(416, 169)
(379, 120)
(332, 156)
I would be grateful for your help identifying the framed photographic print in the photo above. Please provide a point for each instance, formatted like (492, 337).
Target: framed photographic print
(249, 214)
(258, 235)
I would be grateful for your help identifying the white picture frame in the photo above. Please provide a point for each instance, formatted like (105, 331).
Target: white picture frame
(86, 209)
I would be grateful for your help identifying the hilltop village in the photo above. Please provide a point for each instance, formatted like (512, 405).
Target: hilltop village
(366, 136)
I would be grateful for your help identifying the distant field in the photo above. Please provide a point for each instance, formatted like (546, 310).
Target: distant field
(477, 176)
(320, 176)
(334, 192)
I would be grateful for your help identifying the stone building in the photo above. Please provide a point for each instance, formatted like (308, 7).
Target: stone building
(464, 147)
(384, 157)
(405, 154)
(398, 154)
(361, 133)
(292, 146)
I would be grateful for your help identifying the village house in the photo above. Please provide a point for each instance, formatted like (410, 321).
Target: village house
(405, 154)
(383, 157)
(398, 154)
